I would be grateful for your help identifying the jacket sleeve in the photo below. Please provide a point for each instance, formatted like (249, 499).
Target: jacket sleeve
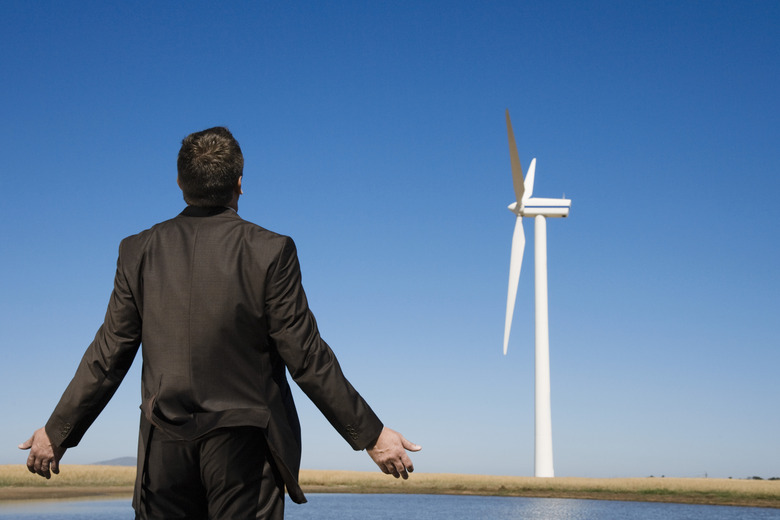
(311, 362)
(102, 368)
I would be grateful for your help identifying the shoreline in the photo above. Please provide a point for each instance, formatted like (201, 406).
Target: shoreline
(101, 482)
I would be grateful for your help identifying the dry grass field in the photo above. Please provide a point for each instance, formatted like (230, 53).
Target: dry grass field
(759, 493)
(90, 481)
(16, 483)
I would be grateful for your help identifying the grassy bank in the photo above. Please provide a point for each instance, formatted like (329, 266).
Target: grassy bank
(89, 481)
(759, 493)
(74, 481)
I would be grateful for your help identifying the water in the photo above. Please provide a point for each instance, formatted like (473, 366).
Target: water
(423, 507)
(67, 510)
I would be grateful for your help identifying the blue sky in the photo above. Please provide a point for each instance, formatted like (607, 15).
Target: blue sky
(374, 135)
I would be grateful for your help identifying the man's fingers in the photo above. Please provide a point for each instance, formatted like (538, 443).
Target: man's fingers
(40, 467)
(390, 453)
(410, 445)
(388, 467)
(407, 462)
(31, 463)
(400, 470)
(26, 445)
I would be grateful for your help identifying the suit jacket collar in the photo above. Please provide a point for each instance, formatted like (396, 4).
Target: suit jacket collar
(200, 211)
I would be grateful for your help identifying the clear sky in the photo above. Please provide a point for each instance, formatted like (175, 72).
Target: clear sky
(374, 135)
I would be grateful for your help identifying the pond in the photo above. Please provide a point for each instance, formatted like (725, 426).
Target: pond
(427, 507)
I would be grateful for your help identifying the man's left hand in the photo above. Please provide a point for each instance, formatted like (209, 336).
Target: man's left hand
(389, 453)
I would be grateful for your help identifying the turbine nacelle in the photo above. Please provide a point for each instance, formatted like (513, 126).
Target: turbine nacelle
(545, 207)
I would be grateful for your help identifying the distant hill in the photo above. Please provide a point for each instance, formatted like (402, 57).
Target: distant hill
(121, 461)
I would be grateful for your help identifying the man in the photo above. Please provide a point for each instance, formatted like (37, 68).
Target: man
(217, 306)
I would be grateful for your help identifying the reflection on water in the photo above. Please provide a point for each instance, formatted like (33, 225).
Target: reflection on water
(446, 507)
(67, 510)
(423, 507)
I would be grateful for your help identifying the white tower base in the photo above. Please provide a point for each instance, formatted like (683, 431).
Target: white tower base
(543, 460)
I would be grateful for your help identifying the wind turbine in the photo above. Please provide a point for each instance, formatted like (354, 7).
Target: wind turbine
(540, 209)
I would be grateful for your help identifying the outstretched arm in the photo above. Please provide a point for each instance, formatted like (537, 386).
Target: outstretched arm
(389, 453)
(43, 455)
(104, 364)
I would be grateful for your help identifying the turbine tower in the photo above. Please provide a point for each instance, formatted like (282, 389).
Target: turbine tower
(540, 209)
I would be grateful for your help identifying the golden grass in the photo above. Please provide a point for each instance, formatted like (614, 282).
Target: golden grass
(762, 493)
(16, 483)
(82, 481)
(70, 475)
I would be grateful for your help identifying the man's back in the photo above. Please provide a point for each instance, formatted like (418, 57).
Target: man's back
(199, 281)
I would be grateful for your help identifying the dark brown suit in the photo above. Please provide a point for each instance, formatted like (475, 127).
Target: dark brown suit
(217, 304)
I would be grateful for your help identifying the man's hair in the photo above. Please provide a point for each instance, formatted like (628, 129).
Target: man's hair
(210, 163)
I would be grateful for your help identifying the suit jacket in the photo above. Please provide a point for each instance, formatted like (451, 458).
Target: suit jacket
(217, 305)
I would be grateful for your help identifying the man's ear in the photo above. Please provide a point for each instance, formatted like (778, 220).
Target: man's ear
(178, 182)
(238, 186)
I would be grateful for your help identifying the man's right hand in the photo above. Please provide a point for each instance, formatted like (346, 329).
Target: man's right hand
(43, 456)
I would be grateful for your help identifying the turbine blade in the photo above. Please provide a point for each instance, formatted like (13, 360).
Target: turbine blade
(529, 180)
(515, 263)
(517, 171)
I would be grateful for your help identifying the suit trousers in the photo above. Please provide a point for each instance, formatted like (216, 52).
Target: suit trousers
(226, 474)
